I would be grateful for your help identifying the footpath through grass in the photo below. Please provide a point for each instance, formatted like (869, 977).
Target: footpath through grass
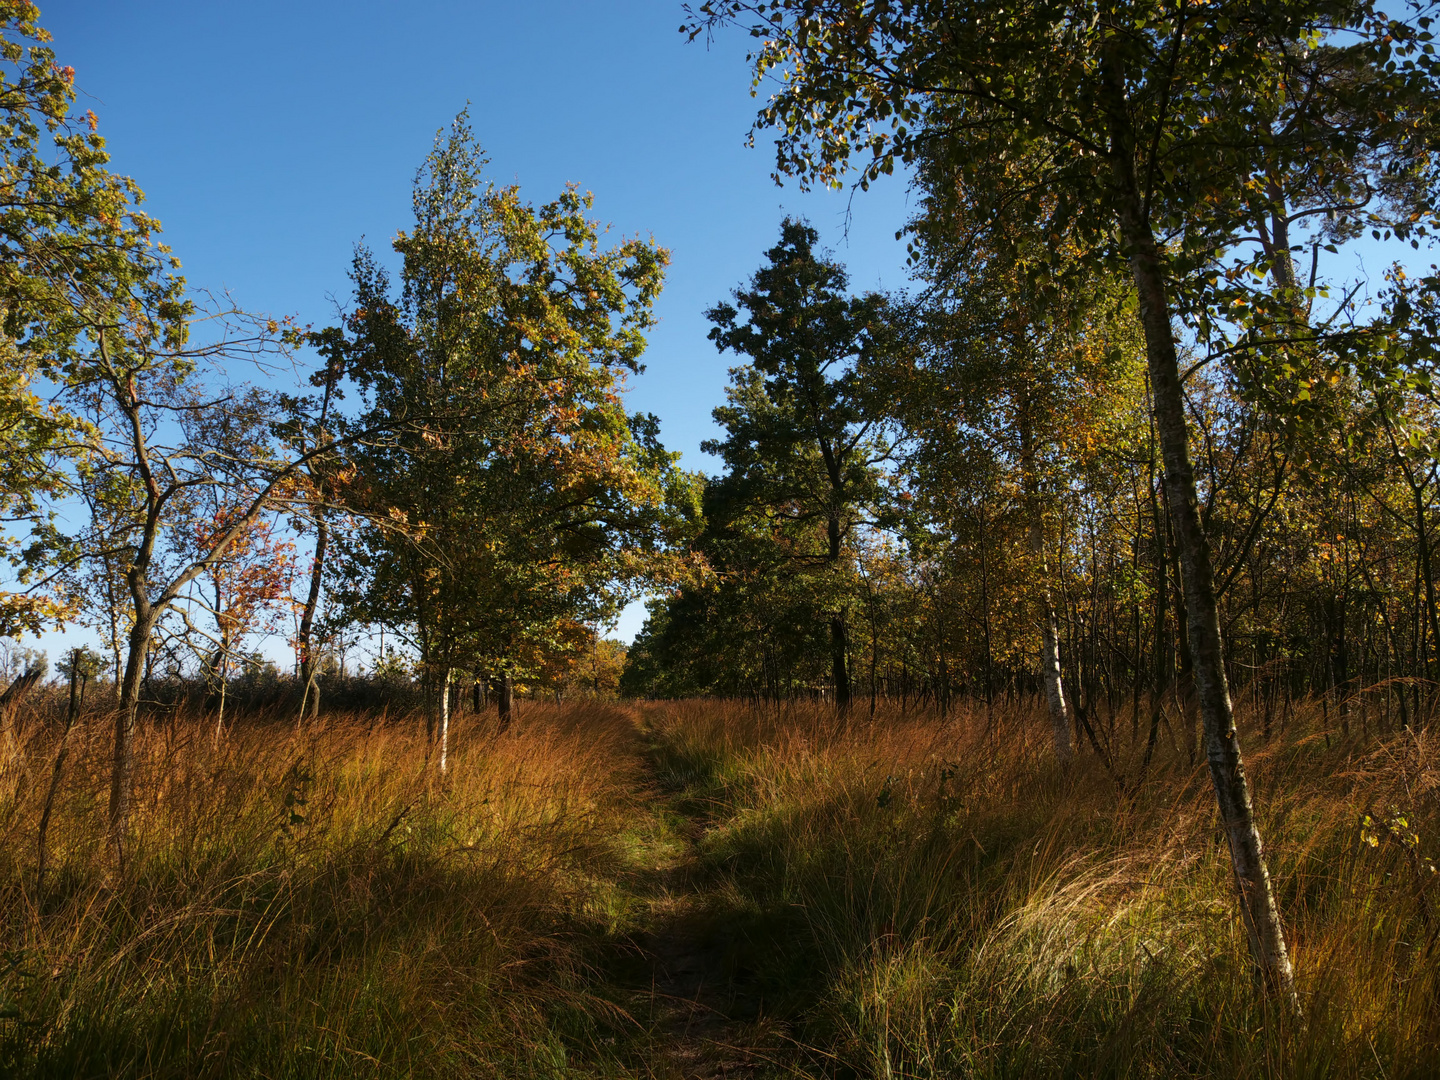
(701, 889)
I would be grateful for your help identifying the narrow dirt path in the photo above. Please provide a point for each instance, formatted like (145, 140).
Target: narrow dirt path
(703, 1022)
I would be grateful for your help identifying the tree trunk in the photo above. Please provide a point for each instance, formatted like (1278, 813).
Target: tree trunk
(1427, 573)
(310, 693)
(1160, 680)
(839, 643)
(1050, 671)
(122, 774)
(112, 611)
(505, 700)
(839, 647)
(985, 626)
(12, 697)
(224, 674)
(443, 719)
(1227, 771)
(1336, 617)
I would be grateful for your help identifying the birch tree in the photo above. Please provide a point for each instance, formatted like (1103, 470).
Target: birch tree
(1032, 374)
(1155, 136)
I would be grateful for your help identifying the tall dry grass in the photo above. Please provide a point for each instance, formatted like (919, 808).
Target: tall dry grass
(927, 896)
(917, 896)
(314, 903)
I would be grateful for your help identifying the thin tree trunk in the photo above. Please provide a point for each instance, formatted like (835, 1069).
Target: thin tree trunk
(1227, 771)
(874, 646)
(224, 674)
(122, 774)
(839, 642)
(1163, 661)
(112, 607)
(1427, 573)
(839, 669)
(444, 718)
(12, 697)
(310, 696)
(1050, 670)
(505, 700)
(985, 624)
(309, 669)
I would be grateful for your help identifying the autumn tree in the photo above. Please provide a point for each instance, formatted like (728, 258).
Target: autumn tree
(243, 592)
(1035, 375)
(519, 499)
(92, 304)
(1159, 137)
(142, 394)
(307, 423)
(71, 236)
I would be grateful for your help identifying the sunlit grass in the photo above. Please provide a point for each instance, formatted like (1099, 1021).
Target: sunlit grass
(316, 903)
(928, 897)
(914, 896)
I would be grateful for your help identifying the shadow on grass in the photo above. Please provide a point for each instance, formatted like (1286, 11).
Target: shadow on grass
(912, 901)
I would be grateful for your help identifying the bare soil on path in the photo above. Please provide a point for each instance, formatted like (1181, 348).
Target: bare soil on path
(704, 1018)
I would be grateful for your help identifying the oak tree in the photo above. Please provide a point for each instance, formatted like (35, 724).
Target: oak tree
(803, 432)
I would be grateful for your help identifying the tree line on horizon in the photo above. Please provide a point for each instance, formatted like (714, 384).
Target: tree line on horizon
(1133, 442)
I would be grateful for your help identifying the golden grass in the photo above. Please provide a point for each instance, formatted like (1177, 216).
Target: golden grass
(914, 896)
(939, 899)
(312, 903)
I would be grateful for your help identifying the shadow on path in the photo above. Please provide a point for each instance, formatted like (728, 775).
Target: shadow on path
(703, 1015)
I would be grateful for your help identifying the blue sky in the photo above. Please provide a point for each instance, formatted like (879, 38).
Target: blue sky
(270, 137)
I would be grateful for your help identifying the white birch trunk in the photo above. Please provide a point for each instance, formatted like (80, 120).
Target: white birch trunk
(1050, 651)
(444, 718)
(1049, 629)
(1258, 908)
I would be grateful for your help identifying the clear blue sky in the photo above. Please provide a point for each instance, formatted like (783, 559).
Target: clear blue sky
(270, 137)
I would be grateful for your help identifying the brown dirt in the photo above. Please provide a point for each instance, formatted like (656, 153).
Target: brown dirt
(703, 1021)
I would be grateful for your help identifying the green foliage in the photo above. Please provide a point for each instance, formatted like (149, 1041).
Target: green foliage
(516, 499)
(78, 260)
(803, 427)
(1244, 135)
(81, 662)
(804, 451)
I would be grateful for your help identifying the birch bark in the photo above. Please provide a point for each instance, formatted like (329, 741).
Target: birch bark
(1222, 747)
